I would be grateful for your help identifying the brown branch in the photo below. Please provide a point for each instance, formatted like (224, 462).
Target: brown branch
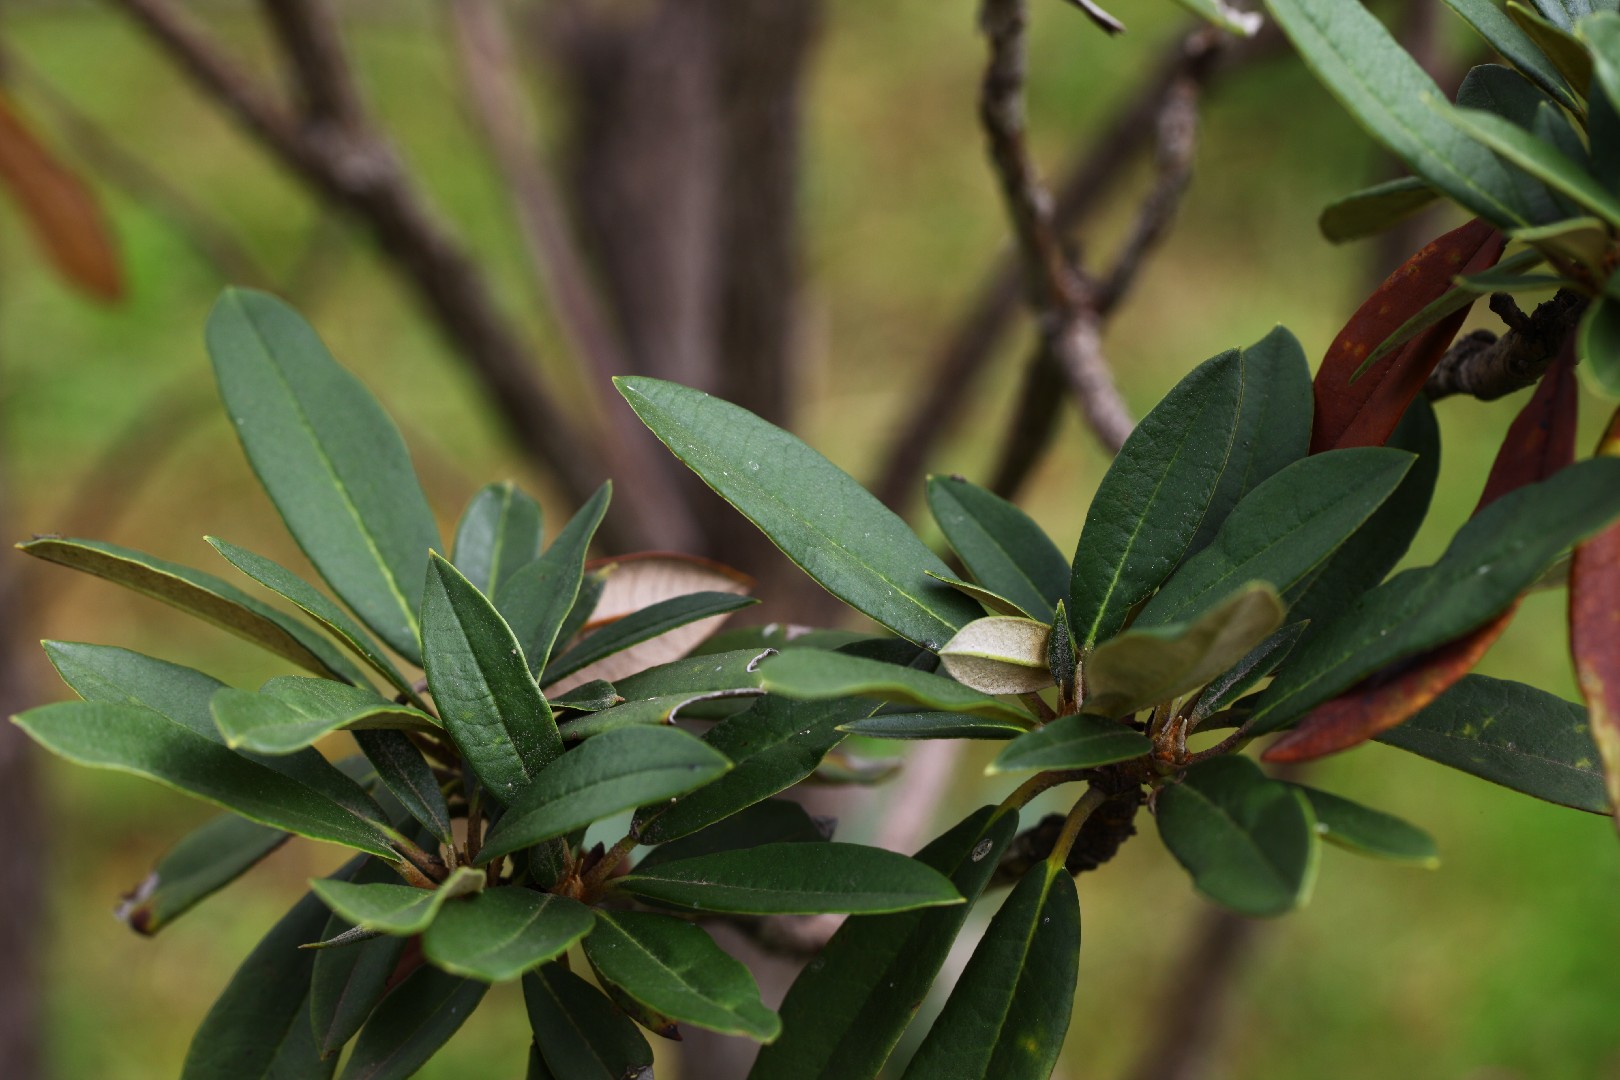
(357, 170)
(308, 33)
(1488, 367)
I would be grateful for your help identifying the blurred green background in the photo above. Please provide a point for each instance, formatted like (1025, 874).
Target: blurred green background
(1499, 964)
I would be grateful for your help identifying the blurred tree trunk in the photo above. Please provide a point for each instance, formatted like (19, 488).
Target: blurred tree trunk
(22, 872)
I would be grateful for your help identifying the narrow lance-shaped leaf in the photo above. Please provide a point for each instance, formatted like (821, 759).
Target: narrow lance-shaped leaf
(205, 860)
(498, 533)
(1507, 38)
(406, 774)
(1594, 633)
(829, 525)
(583, 1035)
(1372, 210)
(810, 674)
(1383, 87)
(349, 981)
(1076, 741)
(1507, 94)
(329, 458)
(933, 725)
(500, 933)
(1510, 734)
(1553, 38)
(676, 969)
(1009, 1011)
(633, 629)
(1369, 832)
(395, 909)
(416, 1018)
(489, 703)
(774, 821)
(1153, 499)
(1542, 161)
(1002, 548)
(199, 594)
(290, 713)
(536, 600)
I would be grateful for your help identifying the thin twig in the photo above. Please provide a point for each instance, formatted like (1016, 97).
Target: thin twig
(1488, 367)
(309, 36)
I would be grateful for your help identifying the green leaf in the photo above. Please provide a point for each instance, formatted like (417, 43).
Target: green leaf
(810, 674)
(537, 599)
(641, 625)
(675, 969)
(1224, 15)
(774, 821)
(405, 772)
(772, 746)
(1601, 33)
(581, 1034)
(395, 909)
(1583, 241)
(933, 725)
(182, 694)
(134, 739)
(1236, 680)
(1510, 734)
(613, 772)
(1249, 842)
(656, 710)
(259, 1027)
(1152, 501)
(830, 526)
(416, 1018)
(847, 1009)
(489, 703)
(1563, 13)
(348, 982)
(1493, 559)
(290, 713)
(1142, 668)
(1542, 161)
(1009, 1011)
(735, 669)
(1507, 94)
(205, 860)
(1556, 43)
(280, 580)
(500, 933)
(990, 601)
(794, 879)
(1076, 741)
(1513, 44)
(498, 534)
(1002, 548)
(1372, 210)
(329, 458)
(1283, 530)
(1384, 89)
(596, 696)
(1597, 344)
(1367, 831)
(199, 594)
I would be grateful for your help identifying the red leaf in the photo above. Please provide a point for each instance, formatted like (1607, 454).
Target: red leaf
(1539, 442)
(1365, 412)
(1594, 634)
(60, 209)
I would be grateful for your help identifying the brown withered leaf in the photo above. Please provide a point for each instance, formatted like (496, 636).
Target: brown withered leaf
(1594, 634)
(1365, 412)
(60, 208)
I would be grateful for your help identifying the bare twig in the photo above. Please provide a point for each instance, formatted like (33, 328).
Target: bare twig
(1488, 367)
(309, 36)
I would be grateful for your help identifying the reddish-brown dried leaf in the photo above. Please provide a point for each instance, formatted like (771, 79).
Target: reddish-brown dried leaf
(1594, 634)
(60, 209)
(1365, 412)
(1539, 442)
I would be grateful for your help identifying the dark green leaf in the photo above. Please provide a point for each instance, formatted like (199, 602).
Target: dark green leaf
(1513, 44)
(1384, 89)
(537, 599)
(990, 601)
(594, 696)
(202, 595)
(654, 710)
(416, 1018)
(489, 703)
(134, 739)
(613, 772)
(1071, 742)
(1260, 661)
(313, 602)
(849, 1006)
(329, 458)
(1370, 832)
(794, 879)
(736, 669)
(1249, 842)
(933, 725)
(1010, 1009)
(406, 773)
(1598, 344)
(833, 528)
(501, 933)
(1493, 559)
(1283, 530)
(809, 674)
(205, 860)
(582, 1035)
(1555, 41)
(499, 533)
(772, 746)
(259, 1029)
(1510, 734)
(774, 821)
(639, 626)
(395, 909)
(1542, 161)
(1153, 499)
(675, 969)
(349, 981)
(1372, 210)
(1509, 95)
(1002, 548)
(291, 712)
